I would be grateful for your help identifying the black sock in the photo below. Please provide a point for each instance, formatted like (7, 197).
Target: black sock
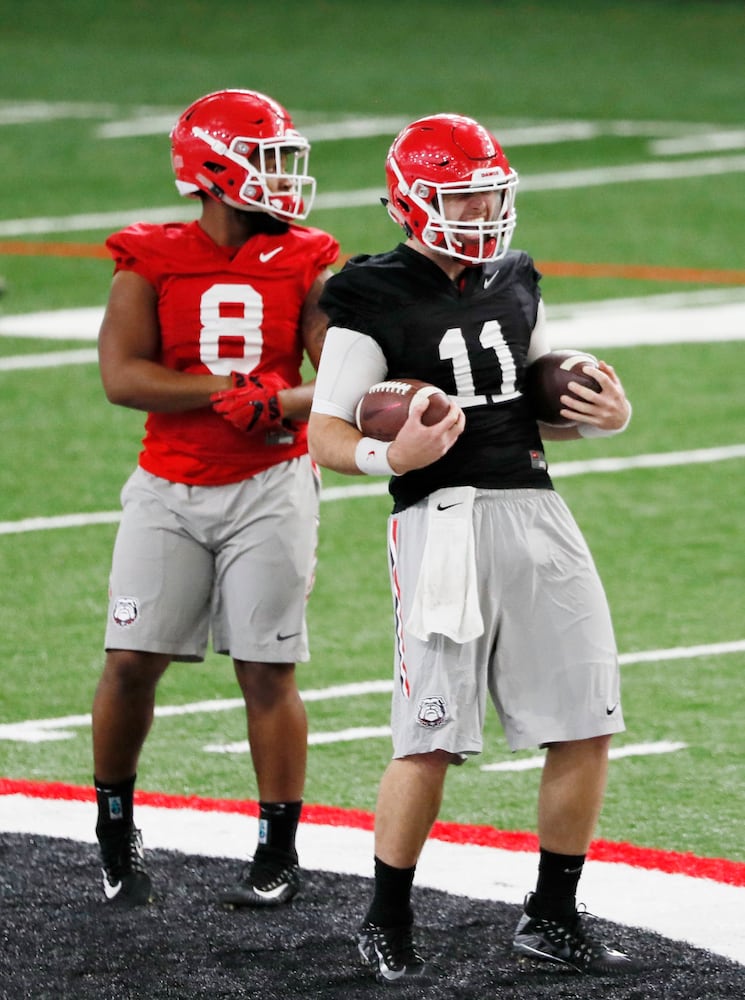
(555, 896)
(277, 828)
(115, 808)
(391, 903)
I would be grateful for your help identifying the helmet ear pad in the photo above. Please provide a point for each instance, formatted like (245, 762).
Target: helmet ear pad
(451, 155)
(400, 212)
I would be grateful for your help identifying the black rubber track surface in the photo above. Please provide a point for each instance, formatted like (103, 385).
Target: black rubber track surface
(60, 941)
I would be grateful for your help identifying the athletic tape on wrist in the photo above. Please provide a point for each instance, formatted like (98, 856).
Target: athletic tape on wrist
(371, 457)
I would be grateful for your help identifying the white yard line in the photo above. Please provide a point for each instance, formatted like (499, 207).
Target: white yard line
(49, 359)
(368, 197)
(699, 142)
(44, 730)
(124, 119)
(704, 316)
(631, 750)
(314, 739)
(359, 733)
(707, 316)
(47, 730)
(559, 470)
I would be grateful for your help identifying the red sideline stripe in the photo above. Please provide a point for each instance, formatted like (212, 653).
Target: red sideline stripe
(562, 269)
(671, 862)
(26, 248)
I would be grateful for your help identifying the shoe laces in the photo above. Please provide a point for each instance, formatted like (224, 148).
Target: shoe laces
(572, 932)
(396, 945)
(136, 853)
(126, 857)
(268, 872)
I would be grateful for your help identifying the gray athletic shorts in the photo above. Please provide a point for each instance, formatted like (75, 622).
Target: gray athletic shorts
(547, 656)
(236, 559)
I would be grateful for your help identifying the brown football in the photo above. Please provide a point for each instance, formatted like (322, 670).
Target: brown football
(382, 411)
(546, 380)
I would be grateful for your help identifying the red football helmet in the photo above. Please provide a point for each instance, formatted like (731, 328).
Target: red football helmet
(240, 147)
(451, 155)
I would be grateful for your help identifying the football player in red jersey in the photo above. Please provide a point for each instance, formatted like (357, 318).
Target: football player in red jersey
(495, 592)
(206, 329)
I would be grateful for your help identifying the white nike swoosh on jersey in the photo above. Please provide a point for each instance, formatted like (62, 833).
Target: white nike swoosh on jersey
(488, 281)
(264, 257)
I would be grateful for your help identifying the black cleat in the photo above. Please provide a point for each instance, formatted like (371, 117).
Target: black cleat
(390, 953)
(568, 943)
(125, 878)
(270, 880)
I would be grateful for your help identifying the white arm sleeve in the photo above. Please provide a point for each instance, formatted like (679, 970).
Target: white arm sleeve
(539, 344)
(350, 363)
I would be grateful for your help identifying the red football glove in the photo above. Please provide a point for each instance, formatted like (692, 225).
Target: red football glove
(252, 402)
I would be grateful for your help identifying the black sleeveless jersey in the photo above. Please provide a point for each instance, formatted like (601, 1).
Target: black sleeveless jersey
(469, 338)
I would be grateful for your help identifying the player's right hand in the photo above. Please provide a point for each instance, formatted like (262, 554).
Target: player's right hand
(417, 445)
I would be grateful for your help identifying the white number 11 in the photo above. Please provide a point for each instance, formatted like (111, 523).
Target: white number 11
(453, 348)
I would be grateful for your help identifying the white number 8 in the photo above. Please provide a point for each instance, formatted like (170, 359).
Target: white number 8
(231, 317)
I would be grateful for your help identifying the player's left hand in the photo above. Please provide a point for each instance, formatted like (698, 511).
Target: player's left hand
(608, 411)
(253, 402)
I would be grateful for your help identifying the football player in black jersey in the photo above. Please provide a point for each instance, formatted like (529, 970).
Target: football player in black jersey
(495, 592)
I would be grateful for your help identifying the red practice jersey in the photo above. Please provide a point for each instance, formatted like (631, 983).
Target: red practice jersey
(223, 309)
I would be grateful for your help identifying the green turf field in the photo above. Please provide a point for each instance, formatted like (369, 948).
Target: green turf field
(642, 89)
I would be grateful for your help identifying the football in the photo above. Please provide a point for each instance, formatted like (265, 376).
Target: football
(382, 411)
(547, 379)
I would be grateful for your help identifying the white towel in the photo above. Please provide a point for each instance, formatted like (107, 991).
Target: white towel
(446, 597)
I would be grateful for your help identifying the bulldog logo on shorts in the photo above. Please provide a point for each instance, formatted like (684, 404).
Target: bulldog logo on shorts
(125, 611)
(431, 712)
